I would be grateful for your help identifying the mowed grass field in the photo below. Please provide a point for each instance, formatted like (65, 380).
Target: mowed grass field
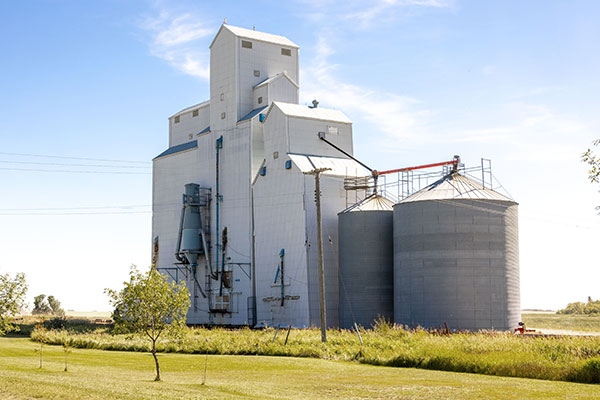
(572, 322)
(97, 374)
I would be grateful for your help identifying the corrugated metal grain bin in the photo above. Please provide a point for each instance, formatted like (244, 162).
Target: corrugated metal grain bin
(456, 257)
(366, 262)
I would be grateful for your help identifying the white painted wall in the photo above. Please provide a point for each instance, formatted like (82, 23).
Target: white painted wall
(258, 146)
(279, 224)
(282, 89)
(304, 139)
(260, 92)
(223, 80)
(333, 200)
(188, 126)
(268, 60)
(279, 89)
(275, 133)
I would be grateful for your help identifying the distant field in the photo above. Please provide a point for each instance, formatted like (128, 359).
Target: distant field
(573, 322)
(96, 374)
(88, 314)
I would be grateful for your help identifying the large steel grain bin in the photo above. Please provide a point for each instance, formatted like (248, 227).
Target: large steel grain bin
(366, 262)
(456, 257)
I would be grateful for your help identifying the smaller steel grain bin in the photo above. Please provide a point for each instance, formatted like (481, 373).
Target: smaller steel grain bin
(366, 262)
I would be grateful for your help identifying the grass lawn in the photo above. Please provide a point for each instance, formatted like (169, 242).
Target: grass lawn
(573, 322)
(97, 374)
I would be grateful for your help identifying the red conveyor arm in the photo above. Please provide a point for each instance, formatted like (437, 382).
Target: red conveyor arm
(392, 171)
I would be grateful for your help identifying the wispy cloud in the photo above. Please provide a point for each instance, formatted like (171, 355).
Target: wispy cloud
(361, 14)
(371, 11)
(535, 132)
(525, 131)
(178, 39)
(398, 117)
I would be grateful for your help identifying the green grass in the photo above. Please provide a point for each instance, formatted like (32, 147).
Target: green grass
(567, 358)
(95, 374)
(574, 322)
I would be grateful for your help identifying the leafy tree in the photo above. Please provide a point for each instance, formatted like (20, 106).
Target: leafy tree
(55, 307)
(40, 305)
(47, 305)
(591, 307)
(151, 305)
(593, 160)
(12, 300)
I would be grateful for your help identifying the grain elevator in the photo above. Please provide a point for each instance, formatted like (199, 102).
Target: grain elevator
(234, 213)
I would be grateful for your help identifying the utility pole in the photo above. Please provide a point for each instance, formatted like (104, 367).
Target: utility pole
(317, 173)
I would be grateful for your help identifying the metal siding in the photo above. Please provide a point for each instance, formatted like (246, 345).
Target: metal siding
(468, 278)
(265, 58)
(279, 224)
(188, 124)
(366, 267)
(333, 200)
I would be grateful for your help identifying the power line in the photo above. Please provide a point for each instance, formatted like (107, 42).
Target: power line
(73, 165)
(73, 208)
(73, 158)
(75, 172)
(79, 213)
(123, 206)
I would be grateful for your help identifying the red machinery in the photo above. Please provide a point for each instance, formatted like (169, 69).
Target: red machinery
(455, 162)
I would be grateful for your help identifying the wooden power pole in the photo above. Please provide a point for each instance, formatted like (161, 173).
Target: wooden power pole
(317, 173)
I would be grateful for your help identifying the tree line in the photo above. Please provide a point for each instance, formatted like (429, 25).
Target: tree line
(591, 307)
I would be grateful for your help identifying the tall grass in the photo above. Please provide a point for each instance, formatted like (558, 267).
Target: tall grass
(556, 358)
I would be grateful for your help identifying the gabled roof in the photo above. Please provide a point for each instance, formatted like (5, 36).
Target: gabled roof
(340, 167)
(255, 35)
(177, 149)
(190, 108)
(455, 186)
(299, 111)
(275, 77)
(252, 114)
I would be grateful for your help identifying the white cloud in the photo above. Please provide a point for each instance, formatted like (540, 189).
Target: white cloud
(361, 14)
(396, 116)
(178, 39)
(385, 8)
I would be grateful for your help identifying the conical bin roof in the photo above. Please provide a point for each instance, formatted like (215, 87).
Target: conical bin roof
(374, 202)
(455, 186)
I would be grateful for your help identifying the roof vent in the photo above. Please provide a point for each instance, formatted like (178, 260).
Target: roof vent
(315, 103)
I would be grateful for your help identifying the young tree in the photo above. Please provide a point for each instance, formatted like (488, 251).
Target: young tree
(151, 305)
(12, 300)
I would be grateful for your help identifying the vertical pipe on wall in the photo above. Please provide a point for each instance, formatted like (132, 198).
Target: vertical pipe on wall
(219, 146)
(281, 256)
(253, 267)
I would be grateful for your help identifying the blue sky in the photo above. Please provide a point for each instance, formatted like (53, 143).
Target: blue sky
(422, 80)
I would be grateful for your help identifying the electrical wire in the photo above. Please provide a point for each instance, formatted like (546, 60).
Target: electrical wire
(75, 171)
(74, 158)
(79, 213)
(72, 208)
(73, 165)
